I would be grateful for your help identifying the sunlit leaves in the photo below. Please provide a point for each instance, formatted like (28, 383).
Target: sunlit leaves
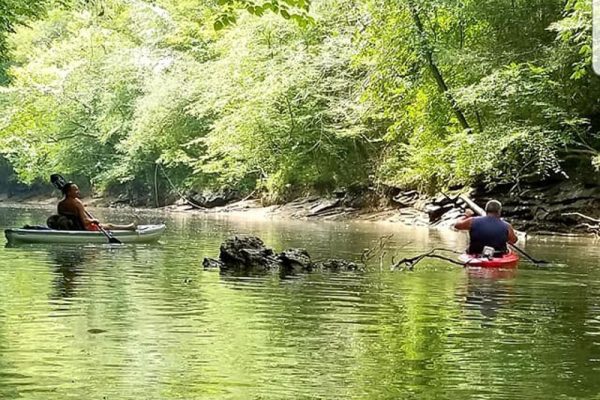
(14, 13)
(296, 10)
(269, 106)
(506, 68)
(112, 88)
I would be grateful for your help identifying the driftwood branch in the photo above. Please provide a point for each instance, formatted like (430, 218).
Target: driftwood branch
(409, 263)
(595, 229)
(576, 214)
(369, 254)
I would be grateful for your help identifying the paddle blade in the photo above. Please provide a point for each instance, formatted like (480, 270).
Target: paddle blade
(114, 240)
(58, 181)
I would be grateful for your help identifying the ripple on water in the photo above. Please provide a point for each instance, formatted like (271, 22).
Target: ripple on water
(148, 322)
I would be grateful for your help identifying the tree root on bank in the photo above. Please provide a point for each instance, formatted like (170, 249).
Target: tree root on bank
(595, 229)
(576, 214)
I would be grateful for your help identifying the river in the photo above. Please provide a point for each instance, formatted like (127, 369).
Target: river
(147, 322)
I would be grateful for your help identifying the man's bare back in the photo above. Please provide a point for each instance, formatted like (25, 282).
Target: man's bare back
(72, 206)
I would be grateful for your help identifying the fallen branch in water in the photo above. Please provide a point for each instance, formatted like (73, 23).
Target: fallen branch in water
(409, 263)
(369, 254)
(381, 261)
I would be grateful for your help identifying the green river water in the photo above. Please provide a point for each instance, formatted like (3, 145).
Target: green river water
(147, 322)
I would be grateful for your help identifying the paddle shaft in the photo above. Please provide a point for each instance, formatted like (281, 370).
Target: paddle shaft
(109, 236)
(480, 211)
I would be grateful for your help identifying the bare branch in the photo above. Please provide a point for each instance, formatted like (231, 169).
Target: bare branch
(582, 216)
(369, 254)
(409, 263)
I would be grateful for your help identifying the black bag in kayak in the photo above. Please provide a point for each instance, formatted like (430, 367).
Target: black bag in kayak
(64, 223)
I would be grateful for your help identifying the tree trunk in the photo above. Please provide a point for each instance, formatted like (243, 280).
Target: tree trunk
(428, 55)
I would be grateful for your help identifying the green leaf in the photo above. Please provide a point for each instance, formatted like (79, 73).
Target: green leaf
(218, 25)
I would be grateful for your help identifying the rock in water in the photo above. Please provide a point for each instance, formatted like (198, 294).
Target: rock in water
(295, 260)
(338, 265)
(242, 253)
(211, 263)
(248, 254)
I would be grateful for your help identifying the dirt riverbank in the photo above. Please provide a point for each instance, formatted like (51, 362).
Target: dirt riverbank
(547, 209)
(316, 208)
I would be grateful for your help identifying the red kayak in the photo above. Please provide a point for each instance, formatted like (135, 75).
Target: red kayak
(509, 260)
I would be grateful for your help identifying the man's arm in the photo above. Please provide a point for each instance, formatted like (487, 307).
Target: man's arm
(512, 236)
(464, 224)
(83, 215)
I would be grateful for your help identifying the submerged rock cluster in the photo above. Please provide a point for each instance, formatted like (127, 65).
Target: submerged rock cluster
(248, 254)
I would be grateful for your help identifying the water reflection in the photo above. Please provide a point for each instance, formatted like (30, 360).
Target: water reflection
(489, 289)
(68, 263)
(149, 322)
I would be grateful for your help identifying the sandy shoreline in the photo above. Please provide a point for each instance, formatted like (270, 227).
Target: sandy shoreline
(309, 209)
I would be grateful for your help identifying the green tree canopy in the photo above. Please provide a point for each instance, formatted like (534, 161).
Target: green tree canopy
(304, 97)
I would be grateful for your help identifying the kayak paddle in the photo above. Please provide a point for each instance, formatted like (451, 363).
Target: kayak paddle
(108, 234)
(59, 182)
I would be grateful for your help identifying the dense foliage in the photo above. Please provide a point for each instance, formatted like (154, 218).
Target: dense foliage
(12, 14)
(423, 94)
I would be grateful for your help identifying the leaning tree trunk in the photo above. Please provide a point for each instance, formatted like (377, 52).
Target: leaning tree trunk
(435, 71)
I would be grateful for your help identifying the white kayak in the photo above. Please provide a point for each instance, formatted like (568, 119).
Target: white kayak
(144, 234)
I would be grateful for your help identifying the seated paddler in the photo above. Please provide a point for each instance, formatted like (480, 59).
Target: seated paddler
(488, 231)
(73, 209)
